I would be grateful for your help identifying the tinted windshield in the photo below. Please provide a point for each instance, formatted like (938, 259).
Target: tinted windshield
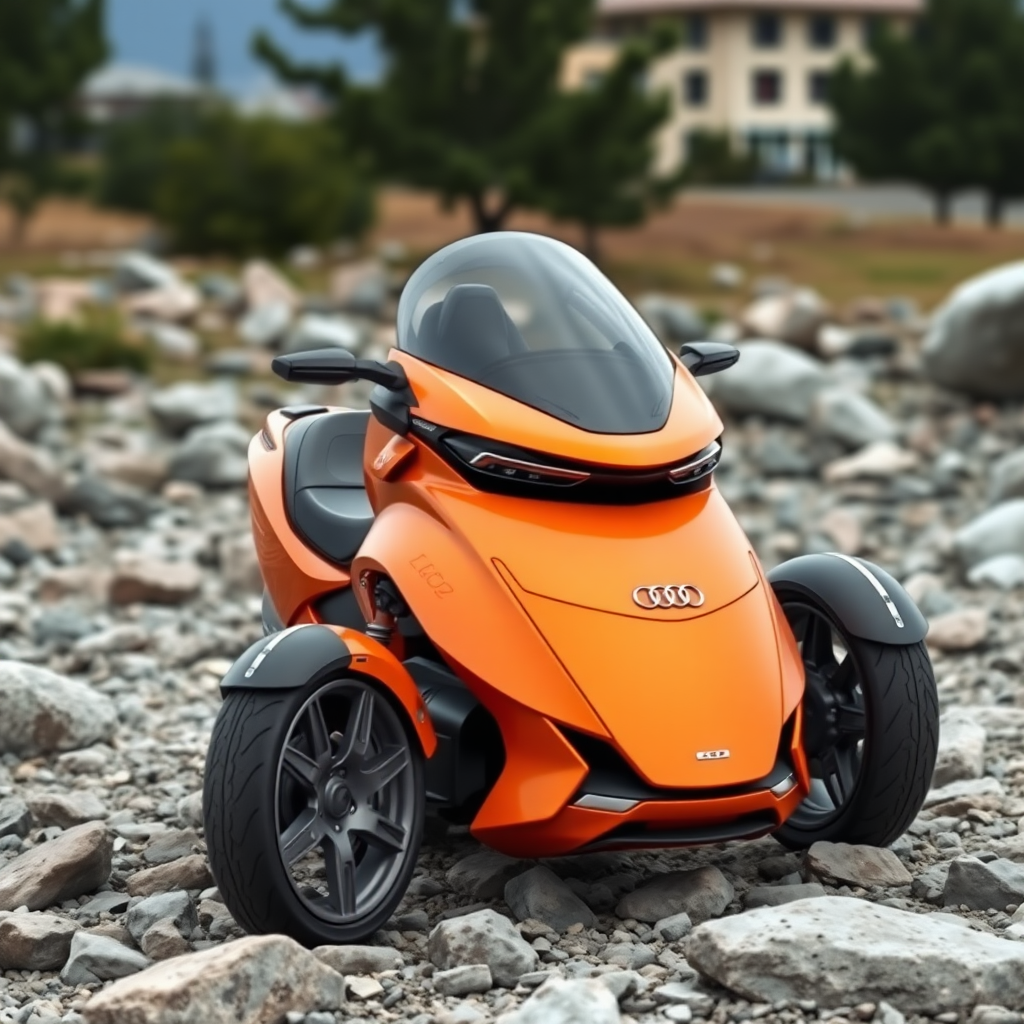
(532, 318)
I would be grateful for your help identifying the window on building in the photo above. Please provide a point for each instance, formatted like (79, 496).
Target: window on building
(695, 88)
(821, 31)
(695, 32)
(767, 88)
(767, 30)
(817, 86)
(772, 153)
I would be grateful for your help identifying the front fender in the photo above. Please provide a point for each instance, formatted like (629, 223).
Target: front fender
(868, 602)
(309, 655)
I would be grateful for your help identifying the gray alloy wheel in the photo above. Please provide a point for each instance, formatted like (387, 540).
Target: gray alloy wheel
(346, 801)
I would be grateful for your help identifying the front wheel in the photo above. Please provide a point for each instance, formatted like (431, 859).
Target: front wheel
(871, 730)
(313, 803)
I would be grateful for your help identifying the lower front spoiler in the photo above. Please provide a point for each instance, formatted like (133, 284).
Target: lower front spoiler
(648, 825)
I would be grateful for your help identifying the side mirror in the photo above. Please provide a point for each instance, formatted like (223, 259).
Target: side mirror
(704, 357)
(336, 366)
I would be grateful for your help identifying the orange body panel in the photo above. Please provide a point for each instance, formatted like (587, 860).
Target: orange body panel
(530, 604)
(370, 659)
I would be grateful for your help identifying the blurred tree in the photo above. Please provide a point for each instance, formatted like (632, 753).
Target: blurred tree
(595, 160)
(715, 160)
(940, 105)
(133, 153)
(244, 187)
(471, 98)
(47, 48)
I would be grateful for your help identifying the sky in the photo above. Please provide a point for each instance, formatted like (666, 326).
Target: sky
(161, 33)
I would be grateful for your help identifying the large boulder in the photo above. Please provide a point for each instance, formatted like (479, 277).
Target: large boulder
(976, 341)
(25, 404)
(702, 893)
(214, 455)
(539, 894)
(961, 748)
(35, 942)
(28, 465)
(672, 320)
(770, 380)
(44, 712)
(183, 406)
(840, 952)
(257, 980)
(561, 1001)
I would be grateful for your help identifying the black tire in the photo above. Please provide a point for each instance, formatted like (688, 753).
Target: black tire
(250, 793)
(893, 689)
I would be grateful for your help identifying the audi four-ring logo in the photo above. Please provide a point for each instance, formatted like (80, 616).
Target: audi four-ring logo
(684, 596)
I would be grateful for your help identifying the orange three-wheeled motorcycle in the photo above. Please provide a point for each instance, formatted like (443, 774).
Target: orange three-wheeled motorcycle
(511, 594)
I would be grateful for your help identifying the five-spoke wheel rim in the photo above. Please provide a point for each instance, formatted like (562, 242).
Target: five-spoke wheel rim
(345, 801)
(835, 720)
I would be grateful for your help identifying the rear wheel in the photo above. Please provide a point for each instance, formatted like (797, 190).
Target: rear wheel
(871, 726)
(313, 804)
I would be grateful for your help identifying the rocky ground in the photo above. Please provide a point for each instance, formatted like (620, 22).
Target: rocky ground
(129, 585)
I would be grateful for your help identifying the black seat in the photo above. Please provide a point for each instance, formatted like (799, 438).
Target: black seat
(324, 491)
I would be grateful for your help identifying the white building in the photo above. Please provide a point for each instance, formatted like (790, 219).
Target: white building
(757, 69)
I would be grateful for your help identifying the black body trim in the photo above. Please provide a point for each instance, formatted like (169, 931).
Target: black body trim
(851, 597)
(603, 485)
(631, 836)
(611, 775)
(289, 660)
(470, 752)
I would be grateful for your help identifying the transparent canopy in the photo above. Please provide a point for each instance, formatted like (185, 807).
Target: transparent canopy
(535, 320)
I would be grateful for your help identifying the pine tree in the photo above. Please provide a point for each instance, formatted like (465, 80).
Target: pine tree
(47, 48)
(471, 99)
(204, 57)
(941, 104)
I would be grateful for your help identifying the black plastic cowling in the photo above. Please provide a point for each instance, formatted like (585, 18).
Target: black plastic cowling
(863, 597)
(293, 658)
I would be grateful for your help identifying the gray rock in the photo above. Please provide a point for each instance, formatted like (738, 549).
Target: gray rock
(107, 504)
(181, 407)
(1006, 572)
(74, 863)
(169, 845)
(1007, 477)
(139, 271)
(770, 380)
(484, 875)
(999, 531)
(851, 418)
(674, 928)
(360, 959)
(862, 953)
(793, 316)
(29, 465)
(974, 792)
(45, 712)
(190, 810)
(843, 864)
(15, 817)
(959, 630)
(361, 288)
(680, 994)
(483, 937)
(214, 455)
(630, 956)
(175, 907)
(187, 873)
(557, 1001)
(66, 811)
(461, 981)
(702, 893)
(24, 403)
(983, 886)
(995, 1015)
(778, 895)
(961, 748)
(255, 980)
(35, 942)
(672, 320)
(315, 332)
(541, 895)
(100, 958)
(976, 341)
(171, 340)
(265, 325)
(163, 941)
